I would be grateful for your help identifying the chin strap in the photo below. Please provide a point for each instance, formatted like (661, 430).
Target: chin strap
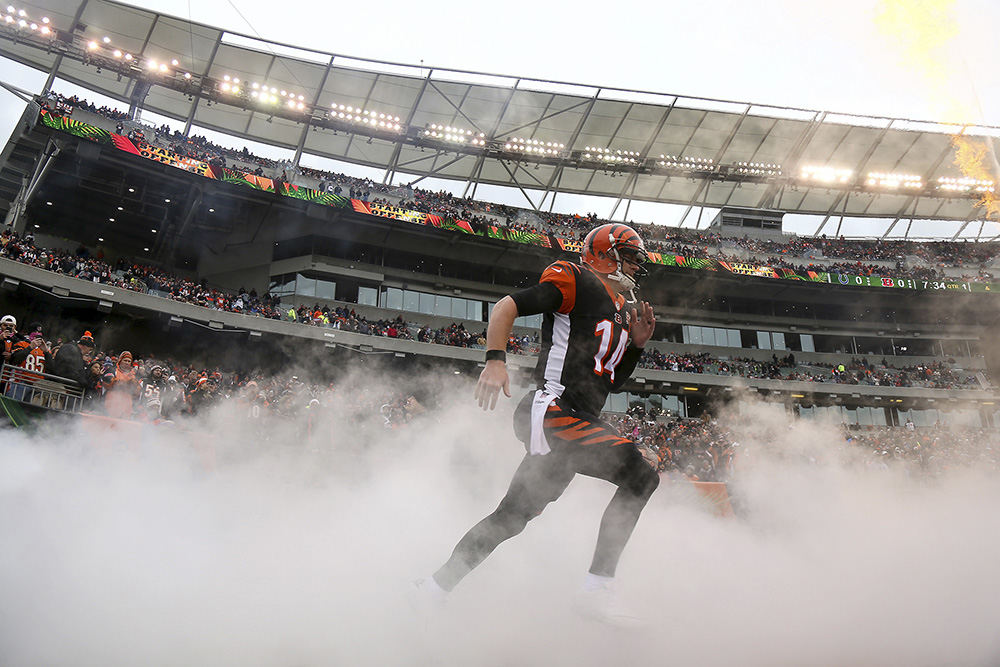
(626, 281)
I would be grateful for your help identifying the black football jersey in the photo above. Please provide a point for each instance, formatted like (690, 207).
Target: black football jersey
(584, 339)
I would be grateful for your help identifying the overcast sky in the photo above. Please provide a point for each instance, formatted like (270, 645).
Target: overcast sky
(918, 59)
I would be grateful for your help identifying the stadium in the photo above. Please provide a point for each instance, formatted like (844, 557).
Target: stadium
(301, 251)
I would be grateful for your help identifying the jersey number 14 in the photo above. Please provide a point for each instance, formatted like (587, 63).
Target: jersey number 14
(603, 361)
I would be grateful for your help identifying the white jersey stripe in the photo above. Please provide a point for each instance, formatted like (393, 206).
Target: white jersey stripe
(557, 354)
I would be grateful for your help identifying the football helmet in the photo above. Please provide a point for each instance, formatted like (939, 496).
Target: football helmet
(605, 249)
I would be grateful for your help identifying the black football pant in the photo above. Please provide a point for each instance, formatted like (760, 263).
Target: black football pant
(583, 446)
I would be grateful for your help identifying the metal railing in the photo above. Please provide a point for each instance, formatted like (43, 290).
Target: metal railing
(40, 389)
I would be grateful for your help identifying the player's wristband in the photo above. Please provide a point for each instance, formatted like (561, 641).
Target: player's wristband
(496, 355)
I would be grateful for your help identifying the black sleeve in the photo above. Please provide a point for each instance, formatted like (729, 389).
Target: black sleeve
(541, 298)
(623, 371)
(18, 355)
(68, 365)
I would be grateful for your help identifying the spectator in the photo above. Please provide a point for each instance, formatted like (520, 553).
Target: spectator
(72, 360)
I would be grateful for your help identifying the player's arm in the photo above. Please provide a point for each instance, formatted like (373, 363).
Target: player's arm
(541, 298)
(494, 377)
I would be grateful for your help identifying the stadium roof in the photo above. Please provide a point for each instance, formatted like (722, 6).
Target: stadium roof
(460, 125)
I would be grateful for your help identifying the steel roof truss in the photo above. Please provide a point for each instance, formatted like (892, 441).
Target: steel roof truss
(513, 179)
(546, 117)
(635, 172)
(611, 139)
(368, 97)
(793, 157)
(267, 76)
(308, 123)
(457, 107)
(390, 171)
(438, 169)
(197, 97)
(556, 176)
(915, 198)
(477, 169)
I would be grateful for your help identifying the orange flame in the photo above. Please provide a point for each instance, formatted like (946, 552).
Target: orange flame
(924, 33)
(976, 159)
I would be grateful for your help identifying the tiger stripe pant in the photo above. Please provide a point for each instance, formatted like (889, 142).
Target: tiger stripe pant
(580, 444)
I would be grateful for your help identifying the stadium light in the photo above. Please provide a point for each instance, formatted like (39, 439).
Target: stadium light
(685, 163)
(887, 180)
(455, 135)
(610, 156)
(826, 174)
(369, 117)
(758, 168)
(534, 146)
(965, 184)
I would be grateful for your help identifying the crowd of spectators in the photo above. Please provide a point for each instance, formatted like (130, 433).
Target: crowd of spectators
(795, 253)
(119, 384)
(159, 389)
(929, 451)
(704, 449)
(700, 449)
(148, 279)
(857, 371)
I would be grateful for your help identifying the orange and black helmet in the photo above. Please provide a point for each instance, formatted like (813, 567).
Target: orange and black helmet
(606, 246)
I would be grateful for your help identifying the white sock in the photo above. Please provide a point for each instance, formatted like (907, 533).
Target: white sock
(593, 582)
(431, 584)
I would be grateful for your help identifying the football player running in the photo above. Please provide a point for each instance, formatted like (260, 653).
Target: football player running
(592, 338)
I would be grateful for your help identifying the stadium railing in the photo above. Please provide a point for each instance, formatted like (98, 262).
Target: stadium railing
(40, 389)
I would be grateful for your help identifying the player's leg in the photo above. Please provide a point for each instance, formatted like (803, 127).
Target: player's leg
(595, 449)
(636, 480)
(538, 481)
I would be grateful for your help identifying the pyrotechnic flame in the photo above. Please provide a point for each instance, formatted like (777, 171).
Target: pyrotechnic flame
(924, 32)
(976, 159)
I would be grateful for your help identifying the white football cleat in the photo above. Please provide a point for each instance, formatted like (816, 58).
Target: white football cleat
(601, 604)
(425, 596)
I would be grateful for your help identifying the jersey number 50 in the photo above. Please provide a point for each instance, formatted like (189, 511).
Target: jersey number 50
(603, 363)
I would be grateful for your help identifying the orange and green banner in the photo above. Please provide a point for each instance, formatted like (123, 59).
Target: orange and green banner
(540, 239)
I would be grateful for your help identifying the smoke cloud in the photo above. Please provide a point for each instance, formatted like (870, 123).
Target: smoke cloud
(227, 544)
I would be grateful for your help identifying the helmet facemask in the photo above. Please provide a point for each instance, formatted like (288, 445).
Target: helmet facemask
(629, 283)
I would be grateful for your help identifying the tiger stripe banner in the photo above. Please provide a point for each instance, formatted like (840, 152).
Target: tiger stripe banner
(745, 269)
(518, 236)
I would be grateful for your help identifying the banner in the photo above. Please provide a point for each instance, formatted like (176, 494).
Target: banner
(167, 157)
(75, 127)
(518, 236)
(570, 246)
(164, 156)
(450, 224)
(391, 212)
